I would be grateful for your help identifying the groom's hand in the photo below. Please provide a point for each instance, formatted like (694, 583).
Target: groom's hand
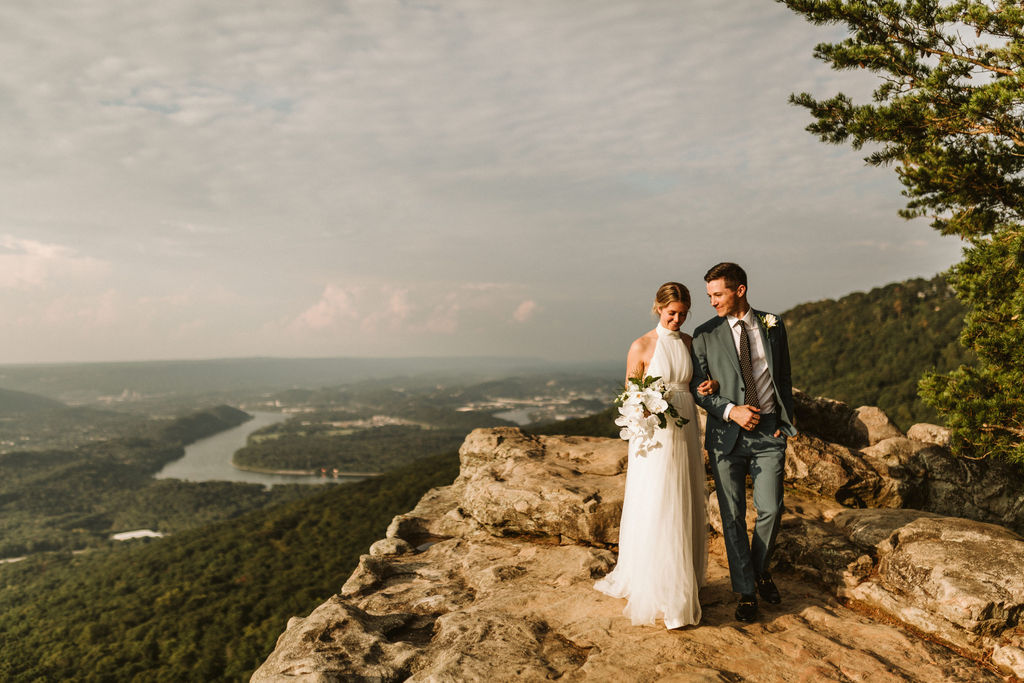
(746, 417)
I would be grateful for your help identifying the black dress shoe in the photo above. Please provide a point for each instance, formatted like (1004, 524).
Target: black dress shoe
(766, 587)
(747, 609)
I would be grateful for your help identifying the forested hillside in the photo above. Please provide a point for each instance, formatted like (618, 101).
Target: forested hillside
(23, 402)
(203, 605)
(872, 348)
(76, 498)
(362, 450)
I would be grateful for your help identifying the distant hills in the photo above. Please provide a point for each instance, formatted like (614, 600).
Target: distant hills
(86, 382)
(24, 402)
(867, 348)
(871, 348)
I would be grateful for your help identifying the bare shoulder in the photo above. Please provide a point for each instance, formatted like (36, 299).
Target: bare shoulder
(640, 352)
(644, 343)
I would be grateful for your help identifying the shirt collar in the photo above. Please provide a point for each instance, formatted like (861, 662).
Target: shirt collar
(747, 319)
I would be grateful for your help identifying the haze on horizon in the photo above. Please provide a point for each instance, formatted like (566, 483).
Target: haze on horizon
(380, 178)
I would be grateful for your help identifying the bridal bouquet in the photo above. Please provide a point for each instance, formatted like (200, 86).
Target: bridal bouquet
(642, 409)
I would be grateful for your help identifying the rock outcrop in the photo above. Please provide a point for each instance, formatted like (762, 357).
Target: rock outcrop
(855, 457)
(491, 578)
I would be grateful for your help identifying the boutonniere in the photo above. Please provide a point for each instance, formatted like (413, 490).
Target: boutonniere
(769, 321)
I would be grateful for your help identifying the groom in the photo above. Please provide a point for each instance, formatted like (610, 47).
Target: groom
(748, 422)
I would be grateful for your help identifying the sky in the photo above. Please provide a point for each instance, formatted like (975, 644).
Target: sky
(319, 178)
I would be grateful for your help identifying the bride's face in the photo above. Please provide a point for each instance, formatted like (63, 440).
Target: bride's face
(673, 315)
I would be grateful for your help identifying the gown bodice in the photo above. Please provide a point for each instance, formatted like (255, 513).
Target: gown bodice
(671, 361)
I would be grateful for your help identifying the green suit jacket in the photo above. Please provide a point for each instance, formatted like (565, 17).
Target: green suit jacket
(714, 357)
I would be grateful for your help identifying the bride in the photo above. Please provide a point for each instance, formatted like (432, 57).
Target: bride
(663, 531)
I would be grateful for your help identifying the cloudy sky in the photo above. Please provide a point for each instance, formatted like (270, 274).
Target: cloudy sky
(191, 179)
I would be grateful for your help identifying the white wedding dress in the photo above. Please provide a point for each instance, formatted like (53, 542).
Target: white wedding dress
(663, 532)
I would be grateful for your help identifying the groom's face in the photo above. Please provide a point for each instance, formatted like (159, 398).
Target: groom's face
(727, 301)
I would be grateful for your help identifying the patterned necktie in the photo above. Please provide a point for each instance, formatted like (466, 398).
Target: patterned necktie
(747, 369)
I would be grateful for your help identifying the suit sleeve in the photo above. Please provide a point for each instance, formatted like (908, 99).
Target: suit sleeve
(715, 403)
(783, 377)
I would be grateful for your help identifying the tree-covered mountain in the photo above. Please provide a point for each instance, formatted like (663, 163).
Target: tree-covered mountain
(363, 450)
(145, 381)
(872, 348)
(866, 348)
(202, 605)
(70, 499)
(24, 402)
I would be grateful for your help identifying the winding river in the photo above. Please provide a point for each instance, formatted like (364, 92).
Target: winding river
(209, 459)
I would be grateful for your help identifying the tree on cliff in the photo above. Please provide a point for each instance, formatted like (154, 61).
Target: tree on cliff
(949, 116)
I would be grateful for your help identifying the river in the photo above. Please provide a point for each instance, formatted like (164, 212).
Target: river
(209, 459)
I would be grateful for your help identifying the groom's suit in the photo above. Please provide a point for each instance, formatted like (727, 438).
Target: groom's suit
(734, 452)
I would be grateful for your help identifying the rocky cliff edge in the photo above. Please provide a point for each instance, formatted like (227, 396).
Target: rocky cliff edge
(886, 572)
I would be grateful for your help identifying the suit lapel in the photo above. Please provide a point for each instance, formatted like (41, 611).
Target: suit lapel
(767, 341)
(724, 333)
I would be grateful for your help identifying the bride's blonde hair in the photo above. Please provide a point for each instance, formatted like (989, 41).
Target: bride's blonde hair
(669, 292)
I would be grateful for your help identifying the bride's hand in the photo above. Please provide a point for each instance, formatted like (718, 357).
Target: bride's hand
(708, 387)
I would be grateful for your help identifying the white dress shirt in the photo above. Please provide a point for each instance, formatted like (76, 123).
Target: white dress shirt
(758, 360)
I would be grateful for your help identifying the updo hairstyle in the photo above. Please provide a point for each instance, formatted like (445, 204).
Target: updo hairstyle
(668, 293)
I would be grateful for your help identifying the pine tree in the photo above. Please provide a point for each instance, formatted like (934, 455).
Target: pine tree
(948, 115)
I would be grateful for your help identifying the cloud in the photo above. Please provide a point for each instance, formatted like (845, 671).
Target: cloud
(524, 311)
(29, 264)
(440, 166)
(336, 306)
(398, 305)
(386, 309)
(77, 311)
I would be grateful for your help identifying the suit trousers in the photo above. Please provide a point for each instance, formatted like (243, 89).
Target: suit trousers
(763, 457)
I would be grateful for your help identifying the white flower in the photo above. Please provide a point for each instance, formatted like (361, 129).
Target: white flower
(643, 409)
(769, 321)
(637, 427)
(654, 402)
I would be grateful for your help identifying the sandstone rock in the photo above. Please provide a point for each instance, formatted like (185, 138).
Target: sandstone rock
(478, 645)
(817, 552)
(338, 641)
(481, 582)
(517, 484)
(867, 528)
(827, 419)
(1010, 658)
(831, 470)
(390, 546)
(957, 580)
(985, 490)
(872, 425)
(901, 471)
(607, 457)
(500, 608)
(966, 571)
(436, 515)
(929, 433)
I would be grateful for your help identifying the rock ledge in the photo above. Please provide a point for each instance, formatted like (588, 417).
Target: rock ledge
(491, 579)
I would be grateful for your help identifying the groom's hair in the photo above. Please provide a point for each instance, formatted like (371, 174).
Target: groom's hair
(733, 275)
